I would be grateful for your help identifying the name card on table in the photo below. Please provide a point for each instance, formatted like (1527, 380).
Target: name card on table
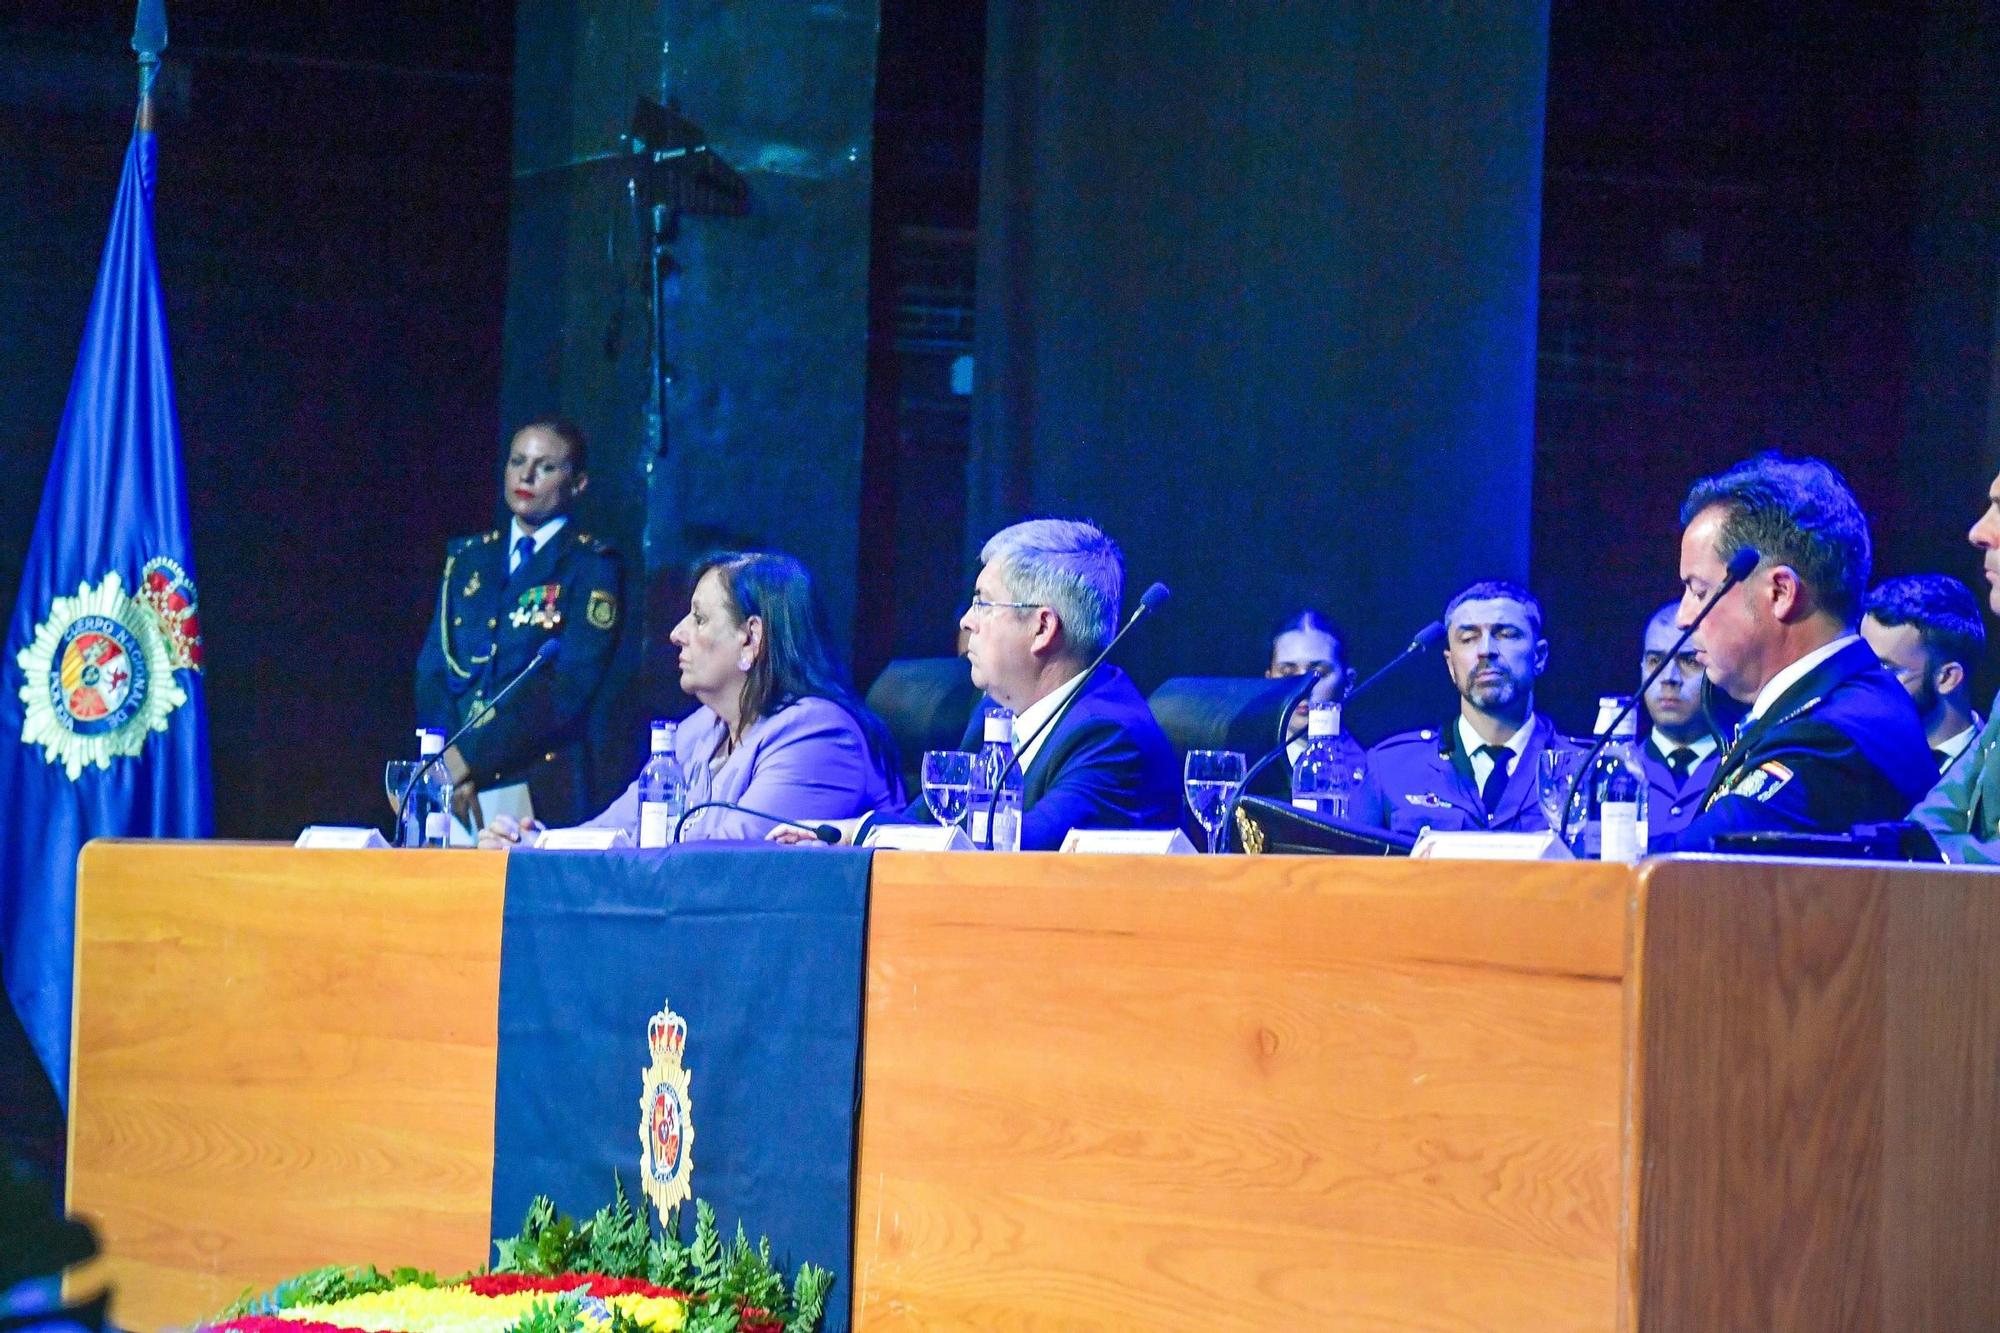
(339, 837)
(1484, 845)
(917, 838)
(1128, 842)
(582, 839)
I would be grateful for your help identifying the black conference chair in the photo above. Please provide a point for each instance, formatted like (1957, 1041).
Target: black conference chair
(926, 703)
(1221, 712)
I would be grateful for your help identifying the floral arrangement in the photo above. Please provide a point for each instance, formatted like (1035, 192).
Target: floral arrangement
(611, 1274)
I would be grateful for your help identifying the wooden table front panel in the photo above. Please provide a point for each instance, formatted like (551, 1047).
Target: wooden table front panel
(1256, 1093)
(284, 1059)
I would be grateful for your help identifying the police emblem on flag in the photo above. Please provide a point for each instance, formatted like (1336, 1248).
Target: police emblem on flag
(100, 676)
(666, 1131)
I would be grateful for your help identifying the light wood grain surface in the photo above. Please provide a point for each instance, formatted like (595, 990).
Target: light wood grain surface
(1250, 1093)
(1816, 1099)
(284, 1059)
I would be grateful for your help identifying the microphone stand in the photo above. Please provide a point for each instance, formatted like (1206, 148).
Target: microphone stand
(1741, 566)
(1152, 598)
(545, 654)
(826, 833)
(1425, 638)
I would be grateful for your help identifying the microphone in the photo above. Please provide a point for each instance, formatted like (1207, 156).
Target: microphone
(1150, 600)
(547, 653)
(1741, 566)
(1425, 638)
(826, 833)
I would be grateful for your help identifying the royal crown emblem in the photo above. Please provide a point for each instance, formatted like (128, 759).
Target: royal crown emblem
(100, 669)
(666, 1128)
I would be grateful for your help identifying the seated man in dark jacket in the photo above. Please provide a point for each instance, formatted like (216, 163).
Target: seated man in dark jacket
(1832, 739)
(1045, 604)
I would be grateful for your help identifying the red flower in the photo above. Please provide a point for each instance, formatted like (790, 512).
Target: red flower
(507, 1284)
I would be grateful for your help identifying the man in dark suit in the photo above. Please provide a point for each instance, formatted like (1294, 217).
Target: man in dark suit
(1831, 740)
(1926, 632)
(1478, 771)
(1045, 604)
(1681, 751)
(504, 593)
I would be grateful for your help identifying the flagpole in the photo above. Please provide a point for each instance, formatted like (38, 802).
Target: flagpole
(149, 38)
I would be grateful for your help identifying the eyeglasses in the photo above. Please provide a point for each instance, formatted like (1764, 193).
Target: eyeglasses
(981, 607)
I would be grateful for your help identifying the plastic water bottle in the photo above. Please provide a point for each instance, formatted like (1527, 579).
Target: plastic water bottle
(1615, 824)
(1001, 808)
(1321, 780)
(427, 814)
(662, 789)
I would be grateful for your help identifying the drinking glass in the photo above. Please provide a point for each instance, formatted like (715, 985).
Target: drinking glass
(1211, 778)
(395, 779)
(1555, 775)
(947, 779)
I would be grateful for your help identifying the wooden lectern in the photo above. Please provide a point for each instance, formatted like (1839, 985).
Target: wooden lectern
(1242, 1092)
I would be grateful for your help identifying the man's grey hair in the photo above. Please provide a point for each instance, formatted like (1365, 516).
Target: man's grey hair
(1070, 567)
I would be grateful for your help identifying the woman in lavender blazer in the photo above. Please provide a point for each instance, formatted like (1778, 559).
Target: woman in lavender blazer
(779, 728)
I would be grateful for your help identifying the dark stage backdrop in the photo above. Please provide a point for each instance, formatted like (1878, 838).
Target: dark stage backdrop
(1257, 293)
(765, 320)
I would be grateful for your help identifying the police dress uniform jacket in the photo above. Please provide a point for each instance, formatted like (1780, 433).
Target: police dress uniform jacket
(1423, 779)
(1842, 746)
(1107, 764)
(487, 626)
(1672, 803)
(1962, 812)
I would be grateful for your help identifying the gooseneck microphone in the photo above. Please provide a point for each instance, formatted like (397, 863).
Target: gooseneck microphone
(1741, 566)
(1425, 638)
(1150, 600)
(826, 833)
(547, 653)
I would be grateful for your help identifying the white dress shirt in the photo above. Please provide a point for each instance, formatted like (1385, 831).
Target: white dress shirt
(540, 537)
(1030, 719)
(1791, 675)
(1482, 764)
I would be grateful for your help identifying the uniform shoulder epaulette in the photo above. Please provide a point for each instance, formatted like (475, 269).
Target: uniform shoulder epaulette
(471, 540)
(594, 544)
(1417, 736)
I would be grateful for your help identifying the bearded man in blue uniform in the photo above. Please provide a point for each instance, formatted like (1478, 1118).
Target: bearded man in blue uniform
(1478, 771)
(1831, 739)
(503, 595)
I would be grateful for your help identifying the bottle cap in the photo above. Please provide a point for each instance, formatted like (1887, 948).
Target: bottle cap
(430, 741)
(1608, 707)
(1323, 719)
(1000, 726)
(663, 735)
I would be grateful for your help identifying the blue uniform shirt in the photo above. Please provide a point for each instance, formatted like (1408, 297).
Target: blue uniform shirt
(1423, 779)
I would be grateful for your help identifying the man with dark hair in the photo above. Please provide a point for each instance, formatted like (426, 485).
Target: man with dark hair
(1831, 740)
(1680, 752)
(504, 593)
(1926, 632)
(1479, 770)
(1962, 811)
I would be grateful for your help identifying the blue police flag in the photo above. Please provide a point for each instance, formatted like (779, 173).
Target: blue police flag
(102, 728)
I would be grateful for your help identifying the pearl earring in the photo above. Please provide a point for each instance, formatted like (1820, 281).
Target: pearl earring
(743, 662)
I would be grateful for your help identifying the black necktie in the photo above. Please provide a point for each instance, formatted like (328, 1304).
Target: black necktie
(1939, 757)
(1680, 761)
(1496, 781)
